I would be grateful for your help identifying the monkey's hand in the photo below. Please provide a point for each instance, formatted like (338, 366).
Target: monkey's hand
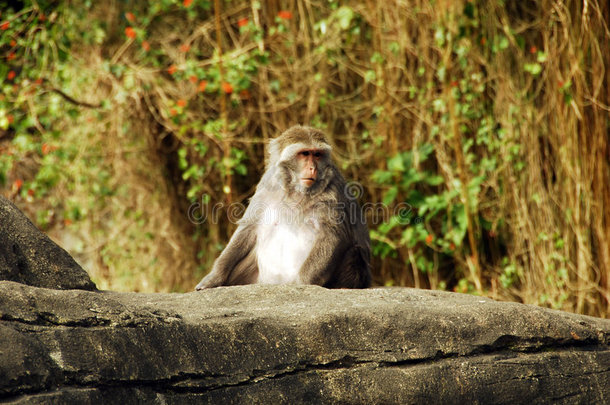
(210, 281)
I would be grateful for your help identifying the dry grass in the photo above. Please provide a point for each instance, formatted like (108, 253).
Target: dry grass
(549, 219)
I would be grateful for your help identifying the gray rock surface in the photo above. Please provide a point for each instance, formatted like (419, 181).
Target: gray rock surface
(28, 256)
(294, 344)
(277, 344)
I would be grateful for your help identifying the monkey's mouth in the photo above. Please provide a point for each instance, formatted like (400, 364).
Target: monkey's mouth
(308, 181)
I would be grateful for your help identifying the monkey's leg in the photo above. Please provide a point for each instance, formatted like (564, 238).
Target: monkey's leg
(324, 258)
(245, 272)
(353, 270)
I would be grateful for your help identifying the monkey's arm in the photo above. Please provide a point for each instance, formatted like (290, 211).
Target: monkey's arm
(230, 261)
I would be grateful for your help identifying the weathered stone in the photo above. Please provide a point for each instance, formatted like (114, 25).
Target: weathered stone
(28, 256)
(277, 344)
(294, 344)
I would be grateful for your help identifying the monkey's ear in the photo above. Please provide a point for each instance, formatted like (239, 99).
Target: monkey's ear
(274, 152)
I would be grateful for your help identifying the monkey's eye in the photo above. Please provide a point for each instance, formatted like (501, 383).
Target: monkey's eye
(305, 153)
(317, 154)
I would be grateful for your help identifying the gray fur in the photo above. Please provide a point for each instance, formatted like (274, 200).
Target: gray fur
(340, 257)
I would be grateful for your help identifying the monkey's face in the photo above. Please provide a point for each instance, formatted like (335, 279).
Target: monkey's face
(308, 164)
(307, 171)
(303, 156)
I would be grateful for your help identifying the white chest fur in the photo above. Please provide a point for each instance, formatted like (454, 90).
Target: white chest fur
(283, 244)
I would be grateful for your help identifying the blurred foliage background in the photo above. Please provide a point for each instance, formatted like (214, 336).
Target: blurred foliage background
(488, 119)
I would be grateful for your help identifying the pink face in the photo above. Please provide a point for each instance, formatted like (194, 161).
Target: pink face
(308, 160)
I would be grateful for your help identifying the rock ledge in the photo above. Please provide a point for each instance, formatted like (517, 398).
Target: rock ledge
(61, 341)
(295, 344)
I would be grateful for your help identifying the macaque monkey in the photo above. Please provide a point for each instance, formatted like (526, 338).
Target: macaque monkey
(302, 226)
